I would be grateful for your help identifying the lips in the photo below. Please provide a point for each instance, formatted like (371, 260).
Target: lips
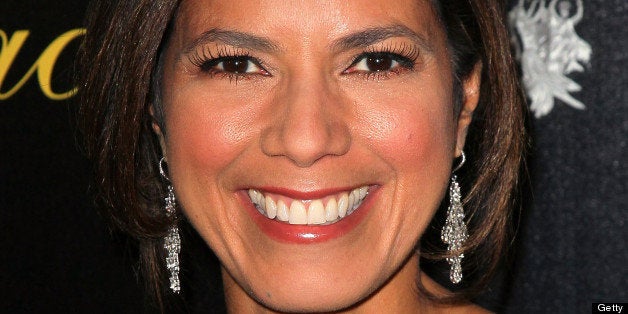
(312, 217)
(321, 211)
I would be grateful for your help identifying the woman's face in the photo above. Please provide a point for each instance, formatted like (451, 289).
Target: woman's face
(310, 142)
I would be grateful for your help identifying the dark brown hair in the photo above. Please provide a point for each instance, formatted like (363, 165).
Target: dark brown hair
(496, 141)
(119, 71)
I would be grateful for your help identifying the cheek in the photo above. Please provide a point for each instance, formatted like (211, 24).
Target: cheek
(410, 130)
(207, 134)
(413, 134)
(203, 134)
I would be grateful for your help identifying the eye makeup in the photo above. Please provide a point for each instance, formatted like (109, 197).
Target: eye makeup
(375, 62)
(227, 62)
(380, 63)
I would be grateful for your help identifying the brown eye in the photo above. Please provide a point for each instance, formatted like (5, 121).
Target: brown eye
(236, 65)
(240, 65)
(379, 63)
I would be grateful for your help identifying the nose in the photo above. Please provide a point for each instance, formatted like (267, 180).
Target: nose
(309, 122)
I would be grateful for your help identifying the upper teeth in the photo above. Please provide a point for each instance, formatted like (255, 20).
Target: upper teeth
(308, 212)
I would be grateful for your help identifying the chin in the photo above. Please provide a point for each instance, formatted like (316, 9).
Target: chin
(314, 287)
(316, 301)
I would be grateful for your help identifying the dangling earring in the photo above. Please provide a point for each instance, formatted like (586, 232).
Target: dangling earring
(454, 232)
(172, 242)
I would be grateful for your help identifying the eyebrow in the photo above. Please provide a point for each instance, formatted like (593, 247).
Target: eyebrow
(374, 35)
(360, 39)
(232, 38)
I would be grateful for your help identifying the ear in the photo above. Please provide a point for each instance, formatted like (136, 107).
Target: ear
(158, 132)
(471, 96)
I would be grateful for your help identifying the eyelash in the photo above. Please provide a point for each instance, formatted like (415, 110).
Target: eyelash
(206, 62)
(403, 55)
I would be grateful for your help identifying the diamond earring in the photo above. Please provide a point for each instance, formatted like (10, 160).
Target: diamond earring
(172, 241)
(454, 232)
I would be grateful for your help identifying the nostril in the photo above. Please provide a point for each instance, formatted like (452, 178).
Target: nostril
(305, 141)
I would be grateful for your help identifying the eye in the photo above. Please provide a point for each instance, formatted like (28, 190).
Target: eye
(238, 65)
(374, 62)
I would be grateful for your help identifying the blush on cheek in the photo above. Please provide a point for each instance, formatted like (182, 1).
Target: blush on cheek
(208, 127)
(204, 139)
(408, 136)
(416, 145)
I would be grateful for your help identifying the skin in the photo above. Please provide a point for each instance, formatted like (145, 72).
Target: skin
(308, 119)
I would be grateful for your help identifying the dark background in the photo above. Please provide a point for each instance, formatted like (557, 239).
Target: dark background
(57, 254)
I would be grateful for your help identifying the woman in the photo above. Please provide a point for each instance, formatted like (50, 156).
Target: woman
(309, 143)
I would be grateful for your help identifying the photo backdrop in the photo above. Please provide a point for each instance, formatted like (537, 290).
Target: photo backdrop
(58, 255)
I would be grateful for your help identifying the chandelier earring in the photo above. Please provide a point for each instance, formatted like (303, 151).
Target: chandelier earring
(454, 233)
(172, 241)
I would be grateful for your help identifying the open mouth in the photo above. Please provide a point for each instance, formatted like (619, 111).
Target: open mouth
(323, 211)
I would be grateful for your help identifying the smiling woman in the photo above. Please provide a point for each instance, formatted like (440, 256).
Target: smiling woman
(309, 143)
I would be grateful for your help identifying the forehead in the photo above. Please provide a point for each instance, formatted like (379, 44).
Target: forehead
(304, 19)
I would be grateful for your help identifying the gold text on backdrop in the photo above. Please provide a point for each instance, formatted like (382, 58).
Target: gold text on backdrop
(44, 65)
